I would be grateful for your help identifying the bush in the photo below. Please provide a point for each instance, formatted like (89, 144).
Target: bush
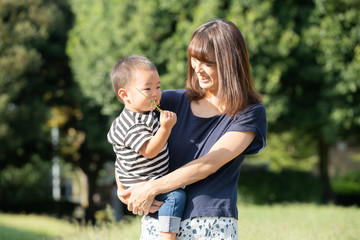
(347, 183)
(261, 186)
(28, 185)
(347, 188)
(28, 189)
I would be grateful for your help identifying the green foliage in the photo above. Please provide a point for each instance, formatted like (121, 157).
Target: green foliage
(348, 183)
(285, 151)
(28, 189)
(107, 31)
(271, 37)
(305, 60)
(265, 187)
(347, 188)
(23, 188)
(304, 57)
(33, 75)
(334, 37)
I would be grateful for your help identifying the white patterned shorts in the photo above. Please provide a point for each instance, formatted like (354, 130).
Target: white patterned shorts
(197, 228)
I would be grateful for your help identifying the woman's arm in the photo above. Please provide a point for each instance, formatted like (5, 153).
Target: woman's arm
(120, 189)
(224, 150)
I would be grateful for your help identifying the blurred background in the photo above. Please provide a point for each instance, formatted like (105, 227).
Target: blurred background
(57, 103)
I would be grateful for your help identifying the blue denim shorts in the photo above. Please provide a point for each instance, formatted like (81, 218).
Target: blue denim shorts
(171, 211)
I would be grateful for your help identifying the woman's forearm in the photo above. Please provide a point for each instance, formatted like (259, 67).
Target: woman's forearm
(224, 150)
(187, 174)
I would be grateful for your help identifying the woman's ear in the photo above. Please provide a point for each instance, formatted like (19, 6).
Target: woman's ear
(122, 94)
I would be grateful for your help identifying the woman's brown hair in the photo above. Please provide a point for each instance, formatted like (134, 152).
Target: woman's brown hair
(222, 39)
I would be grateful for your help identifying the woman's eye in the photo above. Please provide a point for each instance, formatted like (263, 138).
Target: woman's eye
(210, 64)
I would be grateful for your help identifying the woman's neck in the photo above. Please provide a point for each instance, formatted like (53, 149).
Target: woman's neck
(206, 107)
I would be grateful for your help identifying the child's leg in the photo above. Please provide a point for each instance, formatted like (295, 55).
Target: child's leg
(167, 236)
(170, 212)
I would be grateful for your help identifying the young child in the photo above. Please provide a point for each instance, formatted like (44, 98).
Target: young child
(139, 141)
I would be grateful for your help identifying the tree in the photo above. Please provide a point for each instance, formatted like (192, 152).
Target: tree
(305, 60)
(285, 45)
(334, 37)
(34, 79)
(105, 31)
(33, 75)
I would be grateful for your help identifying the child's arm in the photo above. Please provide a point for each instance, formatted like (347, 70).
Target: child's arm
(152, 147)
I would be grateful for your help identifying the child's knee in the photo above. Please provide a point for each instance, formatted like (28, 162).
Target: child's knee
(180, 195)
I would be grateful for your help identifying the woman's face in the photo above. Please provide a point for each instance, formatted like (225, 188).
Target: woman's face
(207, 75)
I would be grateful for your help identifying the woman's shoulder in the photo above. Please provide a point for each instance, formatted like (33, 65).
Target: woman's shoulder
(172, 96)
(257, 108)
(253, 112)
(173, 93)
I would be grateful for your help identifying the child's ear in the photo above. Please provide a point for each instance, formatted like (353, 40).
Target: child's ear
(122, 94)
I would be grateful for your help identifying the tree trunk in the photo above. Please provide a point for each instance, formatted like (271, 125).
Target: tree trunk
(323, 151)
(90, 210)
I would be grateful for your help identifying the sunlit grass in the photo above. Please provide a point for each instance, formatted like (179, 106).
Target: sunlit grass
(21, 226)
(290, 222)
(127, 229)
(297, 222)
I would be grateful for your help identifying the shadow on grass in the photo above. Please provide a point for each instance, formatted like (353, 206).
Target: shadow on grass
(18, 234)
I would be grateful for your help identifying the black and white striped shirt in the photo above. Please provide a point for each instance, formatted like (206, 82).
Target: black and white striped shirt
(128, 132)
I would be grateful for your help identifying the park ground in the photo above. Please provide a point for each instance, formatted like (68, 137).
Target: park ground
(265, 222)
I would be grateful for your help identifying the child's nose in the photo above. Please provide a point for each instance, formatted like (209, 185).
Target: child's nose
(153, 93)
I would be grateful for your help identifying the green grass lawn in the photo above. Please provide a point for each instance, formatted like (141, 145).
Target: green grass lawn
(290, 222)
(29, 227)
(297, 222)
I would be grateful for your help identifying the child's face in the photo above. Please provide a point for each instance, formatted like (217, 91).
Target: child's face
(148, 82)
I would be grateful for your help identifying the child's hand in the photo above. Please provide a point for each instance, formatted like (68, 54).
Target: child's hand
(155, 206)
(167, 119)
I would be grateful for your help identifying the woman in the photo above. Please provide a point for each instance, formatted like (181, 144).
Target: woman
(220, 120)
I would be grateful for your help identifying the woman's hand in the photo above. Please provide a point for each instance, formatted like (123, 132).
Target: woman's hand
(123, 197)
(140, 199)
